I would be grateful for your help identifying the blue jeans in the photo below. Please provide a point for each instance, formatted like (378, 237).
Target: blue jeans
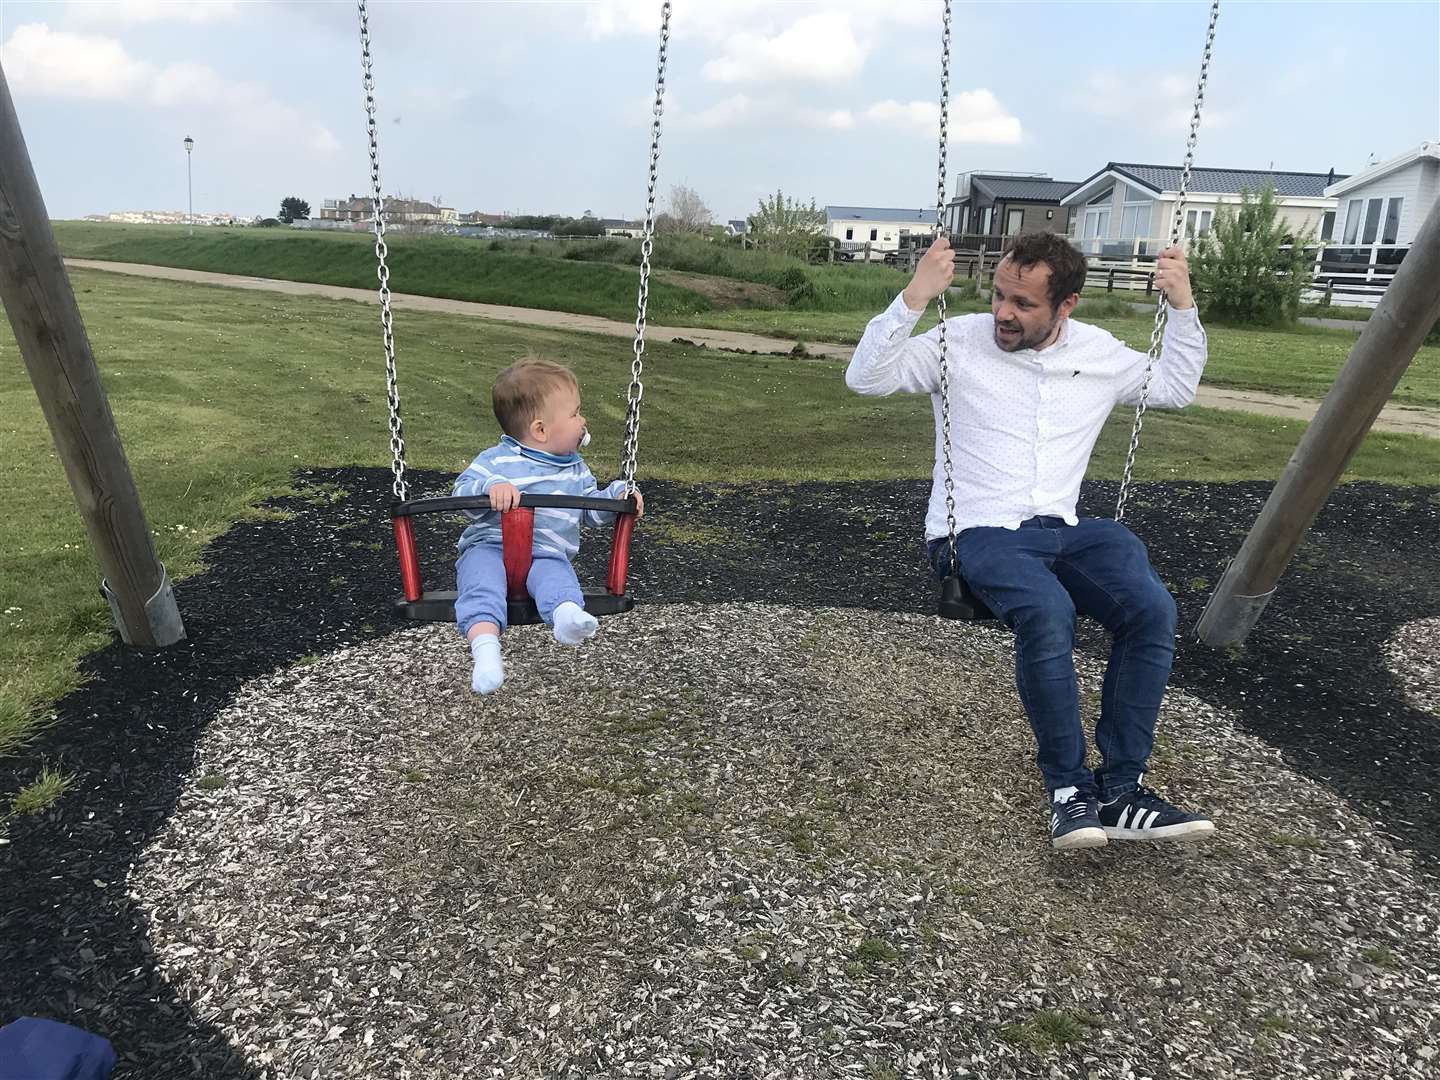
(480, 585)
(1036, 578)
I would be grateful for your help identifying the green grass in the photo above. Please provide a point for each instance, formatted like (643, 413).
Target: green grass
(815, 287)
(1274, 1023)
(1302, 361)
(444, 266)
(598, 278)
(1050, 1029)
(1305, 843)
(220, 394)
(1336, 311)
(40, 794)
(1380, 956)
(876, 950)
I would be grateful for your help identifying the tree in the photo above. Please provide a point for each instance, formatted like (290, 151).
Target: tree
(687, 212)
(579, 227)
(541, 222)
(787, 225)
(294, 208)
(1251, 268)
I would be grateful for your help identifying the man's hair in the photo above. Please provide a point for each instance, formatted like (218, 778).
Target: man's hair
(520, 391)
(1067, 265)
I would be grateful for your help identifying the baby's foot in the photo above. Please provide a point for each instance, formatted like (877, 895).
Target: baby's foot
(489, 672)
(573, 624)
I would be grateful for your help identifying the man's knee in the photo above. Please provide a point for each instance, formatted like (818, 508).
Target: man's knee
(1046, 621)
(1153, 611)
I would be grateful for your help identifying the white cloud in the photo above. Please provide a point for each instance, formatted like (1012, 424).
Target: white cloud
(976, 116)
(741, 110)
(921, 117)
(736, 111)
(41, 61)
(835, 119)
(718, 21)
(57, 63)
(132, 12)
(818, 48)
(1153, 101)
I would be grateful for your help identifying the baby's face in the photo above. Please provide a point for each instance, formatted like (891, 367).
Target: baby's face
(564, 423)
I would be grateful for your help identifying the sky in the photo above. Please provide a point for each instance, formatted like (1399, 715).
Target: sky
(533, 107)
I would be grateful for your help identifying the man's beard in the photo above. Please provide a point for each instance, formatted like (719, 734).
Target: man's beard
(1020, 341)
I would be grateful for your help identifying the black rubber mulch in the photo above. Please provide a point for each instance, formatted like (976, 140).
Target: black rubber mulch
(1311, 680)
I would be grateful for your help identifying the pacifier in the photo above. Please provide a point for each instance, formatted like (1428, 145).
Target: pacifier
(585, 438)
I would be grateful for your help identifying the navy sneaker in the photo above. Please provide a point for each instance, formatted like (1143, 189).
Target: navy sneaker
(1143, 815)
(1075, 823)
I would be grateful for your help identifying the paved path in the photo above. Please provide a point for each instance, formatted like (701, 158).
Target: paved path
(1407, 419)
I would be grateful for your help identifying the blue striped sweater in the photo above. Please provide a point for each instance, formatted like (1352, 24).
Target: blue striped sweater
(534, 472)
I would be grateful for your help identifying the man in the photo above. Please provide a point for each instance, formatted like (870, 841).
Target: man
(1030, 390)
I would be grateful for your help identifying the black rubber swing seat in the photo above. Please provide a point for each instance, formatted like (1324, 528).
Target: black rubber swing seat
(517, 528)
(958, 601)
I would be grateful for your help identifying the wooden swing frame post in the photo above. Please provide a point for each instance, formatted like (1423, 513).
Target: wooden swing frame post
(40, 302)
(1407, 312)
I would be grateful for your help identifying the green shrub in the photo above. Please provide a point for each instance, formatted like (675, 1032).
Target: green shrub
(1249, 268)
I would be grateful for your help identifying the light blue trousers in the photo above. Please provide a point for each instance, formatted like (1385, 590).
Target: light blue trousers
(480, 584)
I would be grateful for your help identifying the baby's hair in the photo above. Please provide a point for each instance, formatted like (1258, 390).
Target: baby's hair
(520, 391)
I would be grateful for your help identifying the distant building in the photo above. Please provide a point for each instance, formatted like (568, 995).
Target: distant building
(351, 209)
(475, 217)
(166, 217)
(1002, 204)
(399, 210)
(620, 227)
(879, 226)
(1124, 209)
(1386, 203)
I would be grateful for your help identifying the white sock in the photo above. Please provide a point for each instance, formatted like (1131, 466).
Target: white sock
(489, 672)
(573, 624)
(1063, 794)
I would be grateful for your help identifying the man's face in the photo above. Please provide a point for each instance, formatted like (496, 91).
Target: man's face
(1020, 302)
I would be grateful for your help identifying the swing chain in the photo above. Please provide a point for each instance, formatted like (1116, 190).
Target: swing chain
(1176, 222)
(392, 389)
(940, 300)
(636, 390)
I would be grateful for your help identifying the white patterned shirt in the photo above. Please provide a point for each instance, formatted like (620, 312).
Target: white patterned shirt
(1023, 423)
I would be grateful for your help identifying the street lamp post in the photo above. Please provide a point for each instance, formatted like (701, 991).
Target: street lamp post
(189, 191)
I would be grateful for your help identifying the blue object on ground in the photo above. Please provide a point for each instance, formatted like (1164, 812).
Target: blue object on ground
(34, 1049)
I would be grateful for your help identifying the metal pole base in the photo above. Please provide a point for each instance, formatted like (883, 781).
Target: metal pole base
(162, 614)
(1228, 617)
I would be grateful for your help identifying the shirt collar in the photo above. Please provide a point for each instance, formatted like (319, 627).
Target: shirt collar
(540, 455)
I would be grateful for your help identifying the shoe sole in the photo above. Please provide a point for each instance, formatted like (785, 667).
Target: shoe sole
(1080, 838)
(1185, 830)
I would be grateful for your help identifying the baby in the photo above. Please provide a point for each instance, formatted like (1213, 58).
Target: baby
(538, 405)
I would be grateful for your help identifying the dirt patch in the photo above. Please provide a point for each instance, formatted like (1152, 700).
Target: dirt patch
(726, 292)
